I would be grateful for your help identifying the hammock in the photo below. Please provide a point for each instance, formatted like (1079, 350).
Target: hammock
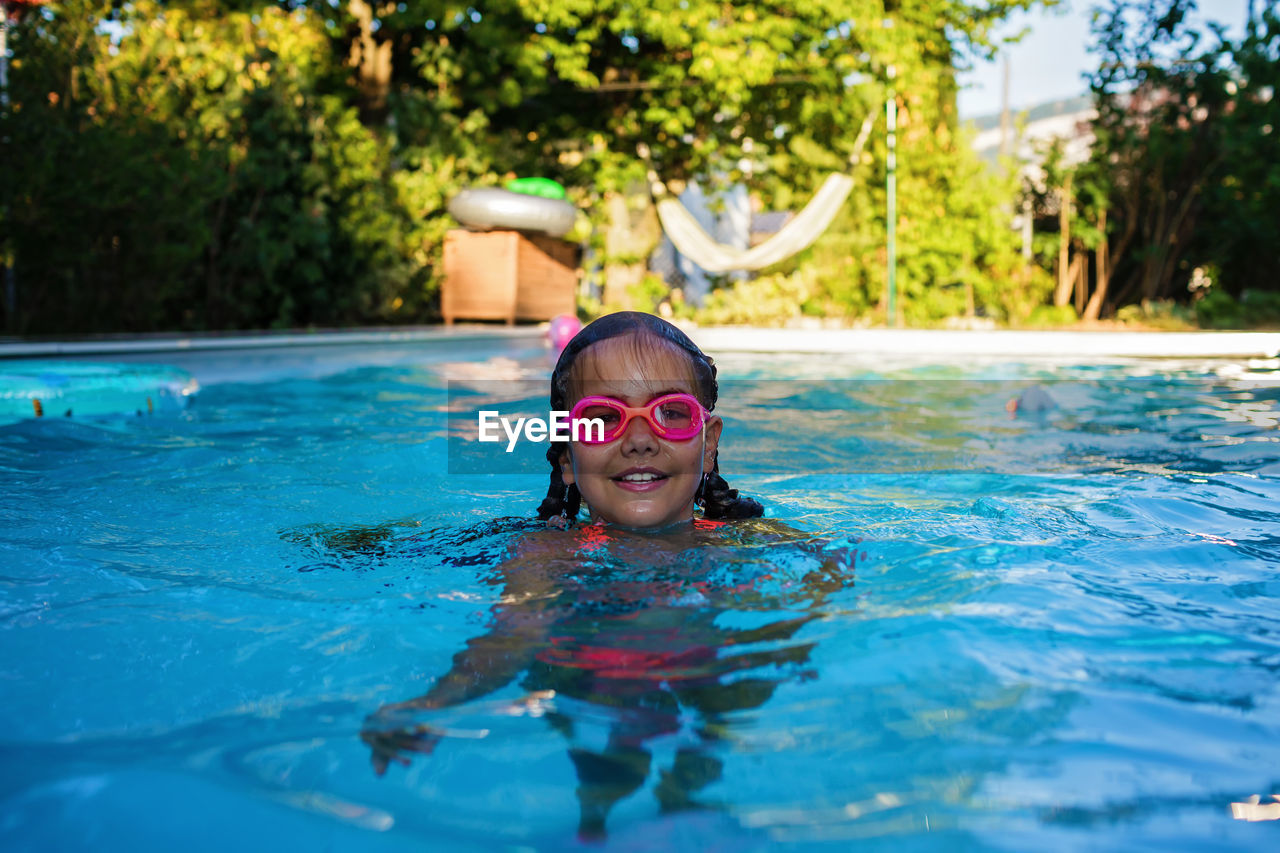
(805, 227)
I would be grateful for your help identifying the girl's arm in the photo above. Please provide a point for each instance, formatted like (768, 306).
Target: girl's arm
(522, 622)
(488, 663)
(521, 627)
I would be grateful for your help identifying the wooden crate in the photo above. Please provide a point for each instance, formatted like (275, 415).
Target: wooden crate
(507, 275)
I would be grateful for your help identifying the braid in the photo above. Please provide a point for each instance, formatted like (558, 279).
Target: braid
(720, 501)
(561, 499)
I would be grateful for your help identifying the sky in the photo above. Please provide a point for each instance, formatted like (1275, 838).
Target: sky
(1048, 63)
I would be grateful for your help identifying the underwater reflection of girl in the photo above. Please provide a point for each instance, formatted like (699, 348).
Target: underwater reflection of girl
(624, 613)
(620, 637)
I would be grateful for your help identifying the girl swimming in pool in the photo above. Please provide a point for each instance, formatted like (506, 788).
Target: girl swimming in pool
(658, 458)
(617, 630)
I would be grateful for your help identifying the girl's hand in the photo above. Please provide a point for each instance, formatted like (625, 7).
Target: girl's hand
(387, 745)
(392, 731)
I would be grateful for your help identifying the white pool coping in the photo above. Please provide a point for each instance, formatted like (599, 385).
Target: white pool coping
(919, 343)
(259, 340)
(946, 343)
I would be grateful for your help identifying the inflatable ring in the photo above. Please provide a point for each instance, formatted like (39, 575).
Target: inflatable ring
(490, 207)
(36, 389)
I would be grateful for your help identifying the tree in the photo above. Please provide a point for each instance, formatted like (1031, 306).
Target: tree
(1183, 162)
(192, 167)
(238, 163)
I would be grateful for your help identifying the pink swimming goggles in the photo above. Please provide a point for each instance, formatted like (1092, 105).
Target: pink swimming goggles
(674, 417)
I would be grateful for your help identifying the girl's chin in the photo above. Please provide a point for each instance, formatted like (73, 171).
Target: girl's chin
(665, 527)
(643, 521)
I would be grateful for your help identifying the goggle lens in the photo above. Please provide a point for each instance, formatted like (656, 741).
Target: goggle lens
(675, 417)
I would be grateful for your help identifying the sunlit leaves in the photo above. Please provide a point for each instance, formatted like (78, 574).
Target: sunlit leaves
(1184, 161)
(231, 163)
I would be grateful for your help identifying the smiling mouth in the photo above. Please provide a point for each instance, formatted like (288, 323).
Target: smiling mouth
(639, 481)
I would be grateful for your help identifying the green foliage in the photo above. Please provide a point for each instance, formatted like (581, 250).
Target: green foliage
(648, 293)
(769, 300)
(1184, 160)
(957, 251)
(203, 171)
(1219, 310)
(221, 164)
(1242, 206)
(1162, 314)
(1254, 309)
(1261, 307)
(1052, 316)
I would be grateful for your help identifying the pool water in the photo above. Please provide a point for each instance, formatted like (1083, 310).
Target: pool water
(958, 628)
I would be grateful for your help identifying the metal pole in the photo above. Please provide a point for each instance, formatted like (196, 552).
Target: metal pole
(891, 189)
(1026, 231)
(1005, 125)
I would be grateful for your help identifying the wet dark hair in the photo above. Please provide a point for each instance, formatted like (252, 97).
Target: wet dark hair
(714, 495)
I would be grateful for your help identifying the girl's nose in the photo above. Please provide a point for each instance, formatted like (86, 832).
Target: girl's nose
(639, 437)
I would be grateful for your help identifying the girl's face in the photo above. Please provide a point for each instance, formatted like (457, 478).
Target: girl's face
(639, 480)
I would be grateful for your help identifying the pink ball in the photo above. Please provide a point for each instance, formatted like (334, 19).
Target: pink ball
(562, 330)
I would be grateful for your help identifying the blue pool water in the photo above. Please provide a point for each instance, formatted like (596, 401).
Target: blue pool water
(976, 630)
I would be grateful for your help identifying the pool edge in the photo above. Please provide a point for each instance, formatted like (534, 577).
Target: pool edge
(258, 340)
(950, 343)
(1067, 344)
